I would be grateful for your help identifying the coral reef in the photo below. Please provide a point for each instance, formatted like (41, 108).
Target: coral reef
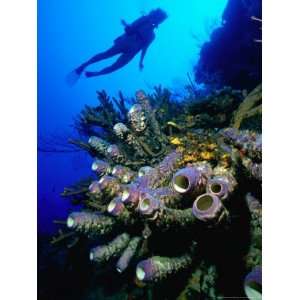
(91, 119)
(130, 137)
(161, 206)
(214, 110)
(248, 115)
(232, 57)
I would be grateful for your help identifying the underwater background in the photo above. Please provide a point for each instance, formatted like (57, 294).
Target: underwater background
(206, 45)
(69, 32)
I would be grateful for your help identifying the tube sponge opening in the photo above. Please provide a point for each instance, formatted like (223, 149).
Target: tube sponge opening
(114, 171)
(125, 195)
(145, 204)
(91, 255)
(216, 188)
(140, 273)
(204, 202)
(111, 206)
(70, 222)
(253, 290)
(94, 166)
(181, 184)
(253, 284)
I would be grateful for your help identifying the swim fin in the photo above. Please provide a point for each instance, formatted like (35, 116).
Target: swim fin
(73, 77)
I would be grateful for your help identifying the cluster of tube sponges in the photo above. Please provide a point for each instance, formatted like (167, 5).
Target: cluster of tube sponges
(141, 134)
(249, 145)
(165, 197)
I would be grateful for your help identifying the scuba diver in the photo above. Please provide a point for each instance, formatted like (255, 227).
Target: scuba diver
(137, 37)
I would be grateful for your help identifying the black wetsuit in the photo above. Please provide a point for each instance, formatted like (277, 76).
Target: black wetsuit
(137, 37)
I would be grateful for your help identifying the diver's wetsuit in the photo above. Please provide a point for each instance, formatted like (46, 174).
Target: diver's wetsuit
(137, 37)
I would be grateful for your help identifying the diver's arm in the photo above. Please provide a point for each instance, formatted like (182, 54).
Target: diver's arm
(124, 23)
(143, 53)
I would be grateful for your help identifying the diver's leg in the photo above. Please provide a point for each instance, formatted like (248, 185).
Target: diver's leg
(114, 50)
(123, 60)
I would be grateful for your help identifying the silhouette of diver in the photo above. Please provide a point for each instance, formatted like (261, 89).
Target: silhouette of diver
(137, 37)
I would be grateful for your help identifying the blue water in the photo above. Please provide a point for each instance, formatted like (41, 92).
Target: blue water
(70, 32)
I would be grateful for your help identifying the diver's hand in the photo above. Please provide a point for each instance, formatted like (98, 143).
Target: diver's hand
(141, 66)
(123, 22)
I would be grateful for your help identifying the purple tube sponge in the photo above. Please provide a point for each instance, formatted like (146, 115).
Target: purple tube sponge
(116, 206)
(78, 219)
(118, 171)
(91, 224)
(128, 254)
(121, 130)
(146, 271)
(158, 176)
(137, 118)
(253, 203)
(169, 163)
(188, 180)
(254, 169)
(125, 134)
(113, 152)
(98, 144)
(253, 284)
(101, 167)
(168, 196)
(94, 188)
(145, 171)
(219, 186)
(208, 207)
(148, 204)
(148, 180)
(248, 142)
(113, 249)
(124, 174)
(106, 180)
(110, 185)
(158, 268)
(170, 219)
(131, 195)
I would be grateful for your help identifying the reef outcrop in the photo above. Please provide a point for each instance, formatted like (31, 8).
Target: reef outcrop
(233, 56)
(162, 206)
(248, 114)
(131, 137)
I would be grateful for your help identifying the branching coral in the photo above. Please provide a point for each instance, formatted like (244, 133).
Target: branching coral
(92, 120)
(129, 136)
(166, 108)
